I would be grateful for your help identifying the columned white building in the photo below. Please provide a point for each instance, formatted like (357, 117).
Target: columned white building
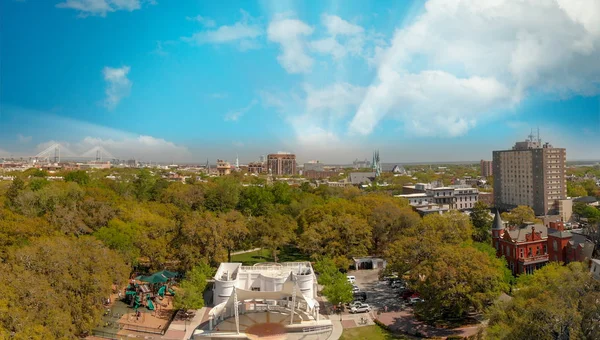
(285, 292)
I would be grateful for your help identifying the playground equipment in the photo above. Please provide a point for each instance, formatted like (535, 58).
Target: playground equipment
(149, 303)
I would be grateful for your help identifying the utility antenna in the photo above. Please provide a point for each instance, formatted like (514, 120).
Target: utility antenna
(538, 136)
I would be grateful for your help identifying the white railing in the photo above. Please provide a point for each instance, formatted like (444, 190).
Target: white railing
(317, 328)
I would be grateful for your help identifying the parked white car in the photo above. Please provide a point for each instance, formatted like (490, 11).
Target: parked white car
(351, 279)
(363, 308)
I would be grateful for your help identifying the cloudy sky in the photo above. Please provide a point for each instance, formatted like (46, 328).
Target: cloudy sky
(435, 80)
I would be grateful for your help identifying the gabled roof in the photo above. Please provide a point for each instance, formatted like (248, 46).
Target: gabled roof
(585, 199)
(519, 234)
(362, 177)
(497, 224)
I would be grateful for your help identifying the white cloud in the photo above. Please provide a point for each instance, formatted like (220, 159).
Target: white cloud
(338, 26)
(290, 34)
(118, 85)
(344, 38)
(316, 116)
(234, 115)
(245, 32)
(337, 99)
(329, 46)
(205, 21)
(101, 7)
(478, 57)
(24, 139)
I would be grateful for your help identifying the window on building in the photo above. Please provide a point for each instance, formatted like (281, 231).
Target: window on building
(537, 250)
(256, 289)
(555, 245)
(521, 253)
(528, 252)
(545, 249)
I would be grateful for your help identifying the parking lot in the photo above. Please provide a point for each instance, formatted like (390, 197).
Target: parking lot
(379, 293)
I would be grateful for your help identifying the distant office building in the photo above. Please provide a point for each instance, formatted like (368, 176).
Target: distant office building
(530, 174)
(256, 167)
(457, 197)
(313, 166)
(486, 168)
(361, 164)
(313, 174)
(282, 163)
(223, 167)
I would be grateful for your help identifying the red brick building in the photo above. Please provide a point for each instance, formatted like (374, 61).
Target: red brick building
(530, 246)
(525, 248)
(567, 246)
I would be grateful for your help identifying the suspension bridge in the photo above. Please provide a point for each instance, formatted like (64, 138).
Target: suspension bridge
(56, 151)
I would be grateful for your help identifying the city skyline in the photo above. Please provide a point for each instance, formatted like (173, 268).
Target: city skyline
(331, 81)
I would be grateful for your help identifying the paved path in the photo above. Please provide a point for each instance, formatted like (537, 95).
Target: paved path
(337, 329)
(405, 322)
(245, 251)
(182, 329)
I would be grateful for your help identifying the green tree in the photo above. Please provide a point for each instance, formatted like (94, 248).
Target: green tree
(575, 190)
(456, 280)
(255, 201)
(13, 191)
(143, 185)
(80, 177)
(222, 195)
(422, 242)
(519, 215)
(121, 236)
(191, 292)
(552, 303)
(235, 232)
(56, 285)
(337, 288)
(482, 222)
(273, 231)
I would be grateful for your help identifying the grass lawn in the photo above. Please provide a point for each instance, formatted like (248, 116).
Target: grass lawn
(368, 333)
(287, 254)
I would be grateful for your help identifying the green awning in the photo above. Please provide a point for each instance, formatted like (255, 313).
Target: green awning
(167, 274)
(154, 278)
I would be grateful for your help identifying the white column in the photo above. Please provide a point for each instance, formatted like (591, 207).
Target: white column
(236, 311)
(210, 321)
(293, 304)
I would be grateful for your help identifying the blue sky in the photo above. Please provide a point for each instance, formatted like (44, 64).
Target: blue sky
(189, 80)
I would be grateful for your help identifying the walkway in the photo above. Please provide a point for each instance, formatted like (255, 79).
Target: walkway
(405, 322)
(244, 251)
(183, 329)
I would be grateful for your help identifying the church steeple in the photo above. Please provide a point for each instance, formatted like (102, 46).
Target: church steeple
(497, 224)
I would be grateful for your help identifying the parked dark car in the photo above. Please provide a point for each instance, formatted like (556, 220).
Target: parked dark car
(360, 296)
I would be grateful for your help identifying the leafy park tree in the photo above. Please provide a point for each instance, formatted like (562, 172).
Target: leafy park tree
(519, 215)
(576, 190)
(57, 284)
(340, 236)
(273, 231)
(13, 192)
(191, 292)
(80, 177)
(235, 232)
(143, 184)
(421, 242)
(255, 201)
(555, 302)
(337, 288)
(457, 280)
(482, 222)
(222, 195)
